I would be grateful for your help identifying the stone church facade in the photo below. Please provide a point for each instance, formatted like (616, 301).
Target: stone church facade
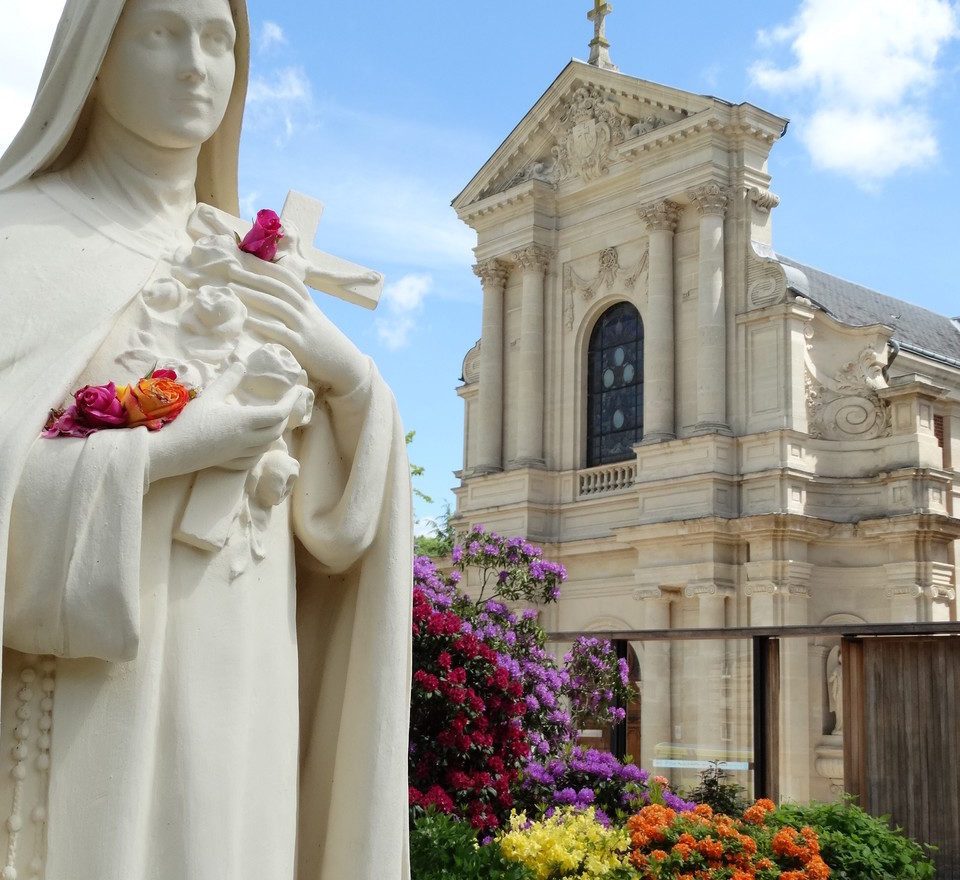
(706, 433)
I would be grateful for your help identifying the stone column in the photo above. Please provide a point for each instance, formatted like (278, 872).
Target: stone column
(493, 276)
(655, 716)
(533, 261)
(711, 201)
(658, 338)
(711, 701)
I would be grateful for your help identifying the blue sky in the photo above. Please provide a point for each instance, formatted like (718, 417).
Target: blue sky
(385, 110)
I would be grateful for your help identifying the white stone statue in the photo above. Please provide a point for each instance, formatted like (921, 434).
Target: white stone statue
(835, 688)
(185, 699)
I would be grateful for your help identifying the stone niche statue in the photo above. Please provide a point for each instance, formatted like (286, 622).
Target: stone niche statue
(204, 699)
(835, 688)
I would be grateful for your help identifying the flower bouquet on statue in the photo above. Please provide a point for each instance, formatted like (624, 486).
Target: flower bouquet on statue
(152, 401)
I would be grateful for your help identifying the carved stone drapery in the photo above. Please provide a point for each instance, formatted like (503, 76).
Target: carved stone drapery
(590, 126)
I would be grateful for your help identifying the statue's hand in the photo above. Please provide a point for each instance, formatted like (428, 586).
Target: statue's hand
(215, 430)
(280, 309)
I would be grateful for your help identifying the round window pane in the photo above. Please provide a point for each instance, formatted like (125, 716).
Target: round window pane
(618, 355)
(628, 373)
(607, 378)
(618, 420)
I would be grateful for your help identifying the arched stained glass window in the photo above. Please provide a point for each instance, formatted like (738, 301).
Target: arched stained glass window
(615, 385)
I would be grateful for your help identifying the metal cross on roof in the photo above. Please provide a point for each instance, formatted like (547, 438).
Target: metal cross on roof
(599, 47)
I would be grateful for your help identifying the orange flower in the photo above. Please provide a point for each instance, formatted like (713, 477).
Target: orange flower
(153, 401)
(784, 842)
(712, 849)
(658, 854)
(703, 810)
(817, 869)
(682, 850)
(758, 811)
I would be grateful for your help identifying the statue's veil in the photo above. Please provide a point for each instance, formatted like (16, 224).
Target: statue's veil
(56, 127)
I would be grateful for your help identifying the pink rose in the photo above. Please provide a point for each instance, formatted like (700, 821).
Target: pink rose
(163, 374)
(96, 407)
(261, 240)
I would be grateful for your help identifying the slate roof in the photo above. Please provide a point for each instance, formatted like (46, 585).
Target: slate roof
(916, 329)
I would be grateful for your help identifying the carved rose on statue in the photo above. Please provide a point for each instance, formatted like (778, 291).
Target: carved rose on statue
(153, 400)
(215, 311)
(273, 477)
(261, 240)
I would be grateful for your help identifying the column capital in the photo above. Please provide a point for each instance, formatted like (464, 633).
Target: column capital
(711, 198)
(662, 215)
(533, 257)
(493, 271)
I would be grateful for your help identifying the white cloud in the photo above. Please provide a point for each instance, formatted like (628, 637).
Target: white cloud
(402, 300)
(286, 85)
(863, 68)
(24, 40)
(271, 34)
(280, 101)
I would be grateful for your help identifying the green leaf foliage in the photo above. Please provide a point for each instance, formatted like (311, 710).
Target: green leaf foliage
(445, 848)
(858, 846)
(721, 795)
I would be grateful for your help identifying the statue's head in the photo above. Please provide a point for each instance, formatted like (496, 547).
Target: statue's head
(173, 72)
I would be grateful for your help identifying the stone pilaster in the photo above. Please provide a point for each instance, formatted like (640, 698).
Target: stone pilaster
(533, 261)
(658, 393)
(493, 277)
(655, 698)
(711, 703)
(711, 201)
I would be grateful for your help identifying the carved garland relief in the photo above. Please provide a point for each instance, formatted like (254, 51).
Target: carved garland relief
(609, 273)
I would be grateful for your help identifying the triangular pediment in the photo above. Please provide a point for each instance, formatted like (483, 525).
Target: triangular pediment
(580, 122)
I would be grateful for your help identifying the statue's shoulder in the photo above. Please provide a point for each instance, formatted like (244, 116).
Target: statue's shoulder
(27, 205)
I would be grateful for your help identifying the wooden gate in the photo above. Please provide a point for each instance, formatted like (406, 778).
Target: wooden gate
(901, 741)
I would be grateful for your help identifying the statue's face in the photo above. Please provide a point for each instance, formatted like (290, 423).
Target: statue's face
(168, 73)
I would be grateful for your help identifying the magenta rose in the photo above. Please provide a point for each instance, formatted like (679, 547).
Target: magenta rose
(261, 240)
(95, 407)
(163, 374)
(98, 406)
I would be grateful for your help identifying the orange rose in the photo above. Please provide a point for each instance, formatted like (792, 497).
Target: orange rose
(154, 400)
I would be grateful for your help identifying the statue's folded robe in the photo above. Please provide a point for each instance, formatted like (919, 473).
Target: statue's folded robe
(351, 515)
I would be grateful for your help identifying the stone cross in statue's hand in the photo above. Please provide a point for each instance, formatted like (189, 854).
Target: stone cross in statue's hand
(324, 272)
(216, 496)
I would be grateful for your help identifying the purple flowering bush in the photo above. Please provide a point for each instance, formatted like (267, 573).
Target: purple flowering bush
(548, 702)
(599, 682)
(583, 778)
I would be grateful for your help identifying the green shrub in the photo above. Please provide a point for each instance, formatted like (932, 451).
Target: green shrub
(718, 793)
(858, 846)
(445, 848)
